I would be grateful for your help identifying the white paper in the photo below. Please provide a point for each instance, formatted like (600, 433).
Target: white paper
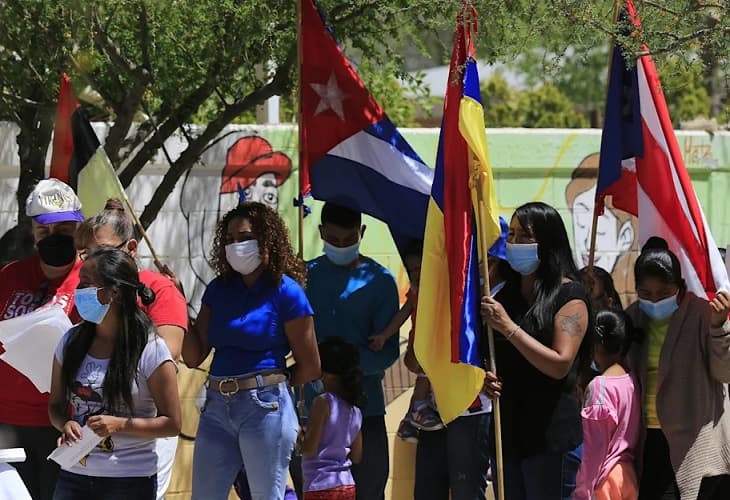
(66, 456)
(11, 486)
(30, 342)
(9, 455)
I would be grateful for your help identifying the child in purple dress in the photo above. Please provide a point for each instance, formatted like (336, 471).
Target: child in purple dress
(332, 441)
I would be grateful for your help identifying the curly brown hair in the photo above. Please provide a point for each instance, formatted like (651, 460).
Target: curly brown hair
(273, 238)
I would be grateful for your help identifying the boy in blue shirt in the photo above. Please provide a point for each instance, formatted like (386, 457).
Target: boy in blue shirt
(354, 298)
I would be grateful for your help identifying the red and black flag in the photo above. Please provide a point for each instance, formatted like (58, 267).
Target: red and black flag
(78, 159)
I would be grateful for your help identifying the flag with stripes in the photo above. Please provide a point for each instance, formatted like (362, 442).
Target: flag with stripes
(352, 154)
(78, 159)
(642, 169)
(448, 334)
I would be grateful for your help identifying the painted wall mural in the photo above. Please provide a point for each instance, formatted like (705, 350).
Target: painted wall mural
(555, 166)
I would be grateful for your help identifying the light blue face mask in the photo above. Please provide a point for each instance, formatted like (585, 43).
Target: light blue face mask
(661, 309)
(88, 305)
(522, 257)
(342, 256)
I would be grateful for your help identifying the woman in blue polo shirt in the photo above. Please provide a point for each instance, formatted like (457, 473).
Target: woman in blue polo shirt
(253, 313)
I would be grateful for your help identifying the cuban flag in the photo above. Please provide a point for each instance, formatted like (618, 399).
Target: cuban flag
(351, 153)
(642, 169)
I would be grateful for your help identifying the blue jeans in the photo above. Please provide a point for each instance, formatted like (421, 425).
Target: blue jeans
(258, 427)
(70, 486)
(453, 460)
(547, 476)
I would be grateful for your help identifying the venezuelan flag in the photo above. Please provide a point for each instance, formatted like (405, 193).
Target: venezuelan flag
(448, 326)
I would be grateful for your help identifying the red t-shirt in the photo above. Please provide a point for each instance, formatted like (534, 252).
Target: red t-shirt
(22, 285)
(169, 307)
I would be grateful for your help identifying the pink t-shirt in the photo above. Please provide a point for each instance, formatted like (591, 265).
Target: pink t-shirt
(611, 422)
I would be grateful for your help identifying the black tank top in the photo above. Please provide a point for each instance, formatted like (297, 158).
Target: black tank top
(539, 414)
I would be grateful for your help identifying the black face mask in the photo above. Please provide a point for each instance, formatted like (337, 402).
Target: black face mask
(57, 250)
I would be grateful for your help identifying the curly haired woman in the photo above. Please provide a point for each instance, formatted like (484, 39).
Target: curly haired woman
(253, 313)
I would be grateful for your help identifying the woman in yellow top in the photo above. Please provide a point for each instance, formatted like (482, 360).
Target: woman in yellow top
(682, 364)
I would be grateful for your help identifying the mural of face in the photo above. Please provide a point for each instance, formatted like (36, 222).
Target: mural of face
(264, 189)
(612, 237)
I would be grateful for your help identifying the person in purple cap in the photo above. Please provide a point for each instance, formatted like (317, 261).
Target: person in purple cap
(48, 277)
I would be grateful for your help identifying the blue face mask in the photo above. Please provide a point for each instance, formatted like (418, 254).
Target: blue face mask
(88, 305)
(661, 309)
(522, 257)
(342, 256)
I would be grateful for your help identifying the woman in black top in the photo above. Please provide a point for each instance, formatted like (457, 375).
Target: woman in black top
(543, 316)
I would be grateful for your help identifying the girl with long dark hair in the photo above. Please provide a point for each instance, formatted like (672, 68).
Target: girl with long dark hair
(332, 441)
(543, 316)
(682, 364)
(113, 227)
(113, 374)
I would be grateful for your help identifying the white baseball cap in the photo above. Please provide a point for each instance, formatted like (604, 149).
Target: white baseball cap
(53, 201)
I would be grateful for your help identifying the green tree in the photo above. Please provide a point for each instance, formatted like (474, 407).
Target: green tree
(565, 43)
(543, 107)
(684, 89)
(172, 61)
(501, 103)
(547, 107)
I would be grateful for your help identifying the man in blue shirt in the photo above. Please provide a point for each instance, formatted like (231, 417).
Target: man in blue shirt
(354, 297)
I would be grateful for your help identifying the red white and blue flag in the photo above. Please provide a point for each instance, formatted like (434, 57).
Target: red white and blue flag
(351, 153)
(642, 169)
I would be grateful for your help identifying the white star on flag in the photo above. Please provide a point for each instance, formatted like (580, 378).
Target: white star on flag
(330, 97)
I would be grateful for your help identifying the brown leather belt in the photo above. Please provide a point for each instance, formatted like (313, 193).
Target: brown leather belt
(230, 386)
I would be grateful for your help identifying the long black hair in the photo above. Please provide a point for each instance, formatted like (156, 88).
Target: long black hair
(556, 258)
(116, 271)
(341, 358)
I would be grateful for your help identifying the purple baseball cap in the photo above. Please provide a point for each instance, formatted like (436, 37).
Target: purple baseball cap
(53, 201)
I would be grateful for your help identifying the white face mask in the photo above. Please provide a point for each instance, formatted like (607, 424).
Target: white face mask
(244, 256)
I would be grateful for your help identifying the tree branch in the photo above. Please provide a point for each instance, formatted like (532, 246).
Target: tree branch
(122, 63)
(24, 101)
(661, 7)
(678, 40)
(214, 128)
(176, 117)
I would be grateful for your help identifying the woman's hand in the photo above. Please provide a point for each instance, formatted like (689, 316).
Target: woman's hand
(720, 309)
(106, 425)
(494, 315)
(492, 386)
(71, 433)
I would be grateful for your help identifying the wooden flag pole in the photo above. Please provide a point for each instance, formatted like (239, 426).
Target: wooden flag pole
(594, 225)
(300, 404)
(146, 238)
(483, 247)
(300, 228)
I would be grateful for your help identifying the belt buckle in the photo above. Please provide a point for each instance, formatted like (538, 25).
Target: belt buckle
(228, 394)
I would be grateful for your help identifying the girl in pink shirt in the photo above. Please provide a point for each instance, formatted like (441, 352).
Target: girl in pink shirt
(611, 418)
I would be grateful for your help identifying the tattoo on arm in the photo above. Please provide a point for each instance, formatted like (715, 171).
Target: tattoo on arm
(570, 324)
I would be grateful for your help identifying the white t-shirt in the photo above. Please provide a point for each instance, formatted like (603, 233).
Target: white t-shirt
(118, 455)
